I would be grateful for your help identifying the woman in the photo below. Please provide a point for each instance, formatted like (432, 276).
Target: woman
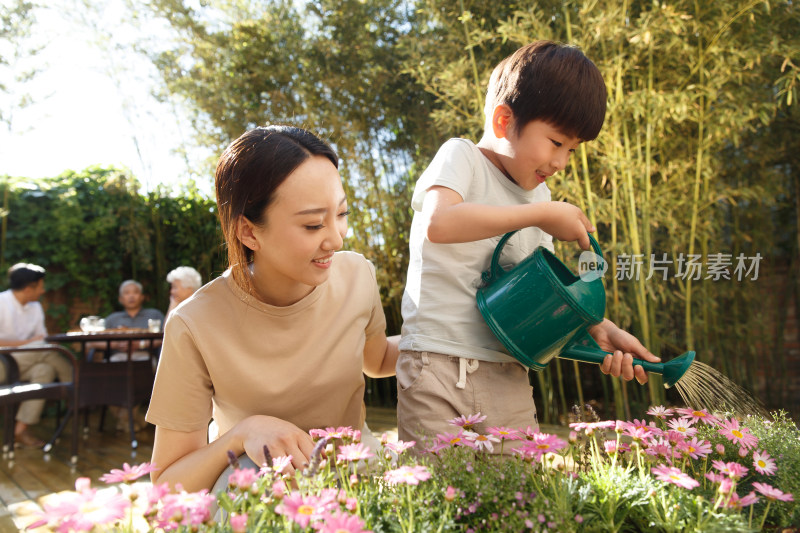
(279, 343)
(183, 281)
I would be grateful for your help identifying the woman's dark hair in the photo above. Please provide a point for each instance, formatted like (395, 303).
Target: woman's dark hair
(248, 173)
(22, 275)
(552, 82)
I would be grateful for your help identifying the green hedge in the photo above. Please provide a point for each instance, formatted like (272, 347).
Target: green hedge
(93, 229)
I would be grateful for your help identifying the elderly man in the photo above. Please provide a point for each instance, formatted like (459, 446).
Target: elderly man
(135, 316)
(183, 282)
(21, 324)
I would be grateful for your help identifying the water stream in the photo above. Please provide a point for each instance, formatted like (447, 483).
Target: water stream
(703, 387)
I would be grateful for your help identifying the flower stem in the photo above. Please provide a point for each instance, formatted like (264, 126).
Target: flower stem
(766, 512)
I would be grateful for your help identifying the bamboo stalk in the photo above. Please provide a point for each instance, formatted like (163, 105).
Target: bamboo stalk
(475, 77)
(633, 229)
(615, 386)
(655, 383)
(696, 188)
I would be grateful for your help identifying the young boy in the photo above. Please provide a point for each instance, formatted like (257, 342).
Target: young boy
(542, 102)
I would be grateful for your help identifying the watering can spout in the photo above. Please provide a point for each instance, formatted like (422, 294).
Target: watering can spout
(672, 371)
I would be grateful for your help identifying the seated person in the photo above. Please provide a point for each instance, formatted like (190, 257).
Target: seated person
(183, 282)
(22, 324)
(134, 316)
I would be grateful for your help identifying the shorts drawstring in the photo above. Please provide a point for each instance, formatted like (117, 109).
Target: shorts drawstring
(465, 366)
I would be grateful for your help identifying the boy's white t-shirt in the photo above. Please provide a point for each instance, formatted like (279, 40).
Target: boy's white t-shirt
(440, 313)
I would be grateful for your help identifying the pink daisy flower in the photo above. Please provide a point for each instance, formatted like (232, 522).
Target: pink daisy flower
(673, 475)
(482, 442)
(738, 503)
(540, 444)
(239, 522)
(731, 430)
(468, 421)
(763, 463)
(184, 509)
(341, 432)
(128, 473)
(340, 522)
(279, 489)
(154, 493)
(302, 509)
(354, 452)
(699, 415)
(410, 475)
(644, 424)
(743, 452)
(590, 427)
(675, 437)
(660, 448)
(437, 446)
(279, 464)
(400, 446)
(455, 439)
(659, 411)
(504, 433)
(771, 493)
(243, 478)
(639, 434)
(610, 446)
(682, 425)
(695, 448)
(732, 469)
(84, 509)
(725, 486)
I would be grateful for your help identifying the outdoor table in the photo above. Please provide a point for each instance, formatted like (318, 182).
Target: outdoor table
(104, 383)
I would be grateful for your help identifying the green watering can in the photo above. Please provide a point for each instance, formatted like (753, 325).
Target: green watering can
(540, 310)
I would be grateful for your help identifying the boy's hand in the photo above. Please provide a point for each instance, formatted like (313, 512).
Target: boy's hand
(625, 347)
(564, 221)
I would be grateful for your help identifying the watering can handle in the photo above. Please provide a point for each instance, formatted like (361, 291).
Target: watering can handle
(495, 271)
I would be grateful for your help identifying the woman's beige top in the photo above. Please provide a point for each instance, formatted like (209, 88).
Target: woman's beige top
(227, 355)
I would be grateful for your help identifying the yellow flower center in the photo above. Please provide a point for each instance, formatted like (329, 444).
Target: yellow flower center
(762, 463)
(698, 413)
(737, 434)
(306, 510)
(543, 446)
(455, 440)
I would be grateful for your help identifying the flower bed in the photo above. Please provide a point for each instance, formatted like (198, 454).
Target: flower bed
(680, 470)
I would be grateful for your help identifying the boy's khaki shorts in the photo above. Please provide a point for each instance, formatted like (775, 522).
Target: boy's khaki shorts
(428, 395)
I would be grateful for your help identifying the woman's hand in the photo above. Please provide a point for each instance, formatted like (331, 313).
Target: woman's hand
(624, 347)
(280, 437)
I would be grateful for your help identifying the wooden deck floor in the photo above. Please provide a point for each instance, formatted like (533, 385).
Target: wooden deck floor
(31, 475)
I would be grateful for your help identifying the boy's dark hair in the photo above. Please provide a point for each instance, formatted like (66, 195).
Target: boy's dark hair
(552, 82)
(23, 274)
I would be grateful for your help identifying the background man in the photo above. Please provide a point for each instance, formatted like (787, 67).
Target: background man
(22, 323)
(134, 316)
